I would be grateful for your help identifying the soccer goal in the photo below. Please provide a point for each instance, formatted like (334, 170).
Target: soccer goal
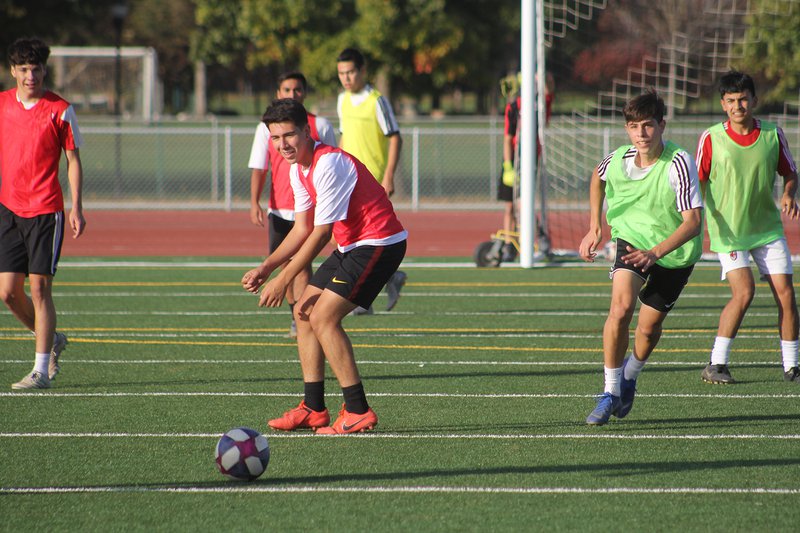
(86, 77)
(682, 68)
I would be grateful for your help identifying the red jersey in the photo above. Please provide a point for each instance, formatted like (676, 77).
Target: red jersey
(31, 143)
(341, 191)
(786, 165)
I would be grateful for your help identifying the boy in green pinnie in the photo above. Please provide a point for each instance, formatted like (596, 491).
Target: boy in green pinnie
(655, 213)
(737, 161)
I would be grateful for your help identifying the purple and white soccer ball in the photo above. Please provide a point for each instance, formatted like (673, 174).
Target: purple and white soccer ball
(242, 454)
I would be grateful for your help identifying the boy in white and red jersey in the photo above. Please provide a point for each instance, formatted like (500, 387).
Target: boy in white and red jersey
(263, 156)
(334, 195)
(36, 125)
(737, 161)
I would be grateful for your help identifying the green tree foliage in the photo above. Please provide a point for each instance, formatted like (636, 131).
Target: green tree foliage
(167, 27)
(216, 37)
(419, 45)
(773, 48)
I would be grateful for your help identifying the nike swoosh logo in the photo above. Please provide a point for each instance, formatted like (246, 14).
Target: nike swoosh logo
(338, 281)
(669, 306)
(345, 427)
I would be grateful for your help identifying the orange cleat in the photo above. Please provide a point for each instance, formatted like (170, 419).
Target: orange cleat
(301, 417)
(350, 423)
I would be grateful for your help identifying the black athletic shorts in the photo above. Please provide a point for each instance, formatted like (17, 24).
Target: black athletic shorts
(662, 285)
(279, 228)
(360, 274)
(30, 245)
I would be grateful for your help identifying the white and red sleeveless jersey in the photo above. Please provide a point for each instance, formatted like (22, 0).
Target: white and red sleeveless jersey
(786, 164)
(342, 192)
(31, 143)
(263, 154)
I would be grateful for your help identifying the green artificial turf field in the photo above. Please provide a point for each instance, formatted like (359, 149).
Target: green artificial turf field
(481, 378)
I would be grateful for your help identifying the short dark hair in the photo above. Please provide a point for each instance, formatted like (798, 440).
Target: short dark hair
(286, 110)
(351, 54)
(293, 75)
(28, 51)
(645, 106)
(736, 82)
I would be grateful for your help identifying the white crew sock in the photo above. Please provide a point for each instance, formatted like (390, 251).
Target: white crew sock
(789, 353)
(633, 368)
(42, 363)
(721, 351)
(613, 379)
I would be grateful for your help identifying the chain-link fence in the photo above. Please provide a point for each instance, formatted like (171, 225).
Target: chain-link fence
(447, 164)
(444, 164)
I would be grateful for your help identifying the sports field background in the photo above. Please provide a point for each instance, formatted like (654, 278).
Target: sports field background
(481, 378)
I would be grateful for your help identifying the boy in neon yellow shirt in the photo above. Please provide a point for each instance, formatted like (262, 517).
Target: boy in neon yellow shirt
(737, 161)
(655, 214)
(369, 131)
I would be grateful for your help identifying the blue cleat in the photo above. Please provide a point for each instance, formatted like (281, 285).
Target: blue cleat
(627, 392)
(607, 404)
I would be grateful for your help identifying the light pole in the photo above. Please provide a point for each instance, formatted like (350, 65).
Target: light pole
(119, 11)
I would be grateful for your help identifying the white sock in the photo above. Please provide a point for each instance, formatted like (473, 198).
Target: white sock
(789, 353)
(42, 363)
(613, 378)
(633, 368)
(721, 351)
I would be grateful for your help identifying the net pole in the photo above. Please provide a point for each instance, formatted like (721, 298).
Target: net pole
(527, 136)
(540, 228)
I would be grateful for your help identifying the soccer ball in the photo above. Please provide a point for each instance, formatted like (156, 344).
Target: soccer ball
(242, 454)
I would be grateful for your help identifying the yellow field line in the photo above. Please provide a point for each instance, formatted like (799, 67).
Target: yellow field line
(529, 349)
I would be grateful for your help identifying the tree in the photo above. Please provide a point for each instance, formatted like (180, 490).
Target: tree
(417, 45)
(772, 47)
(167, 27)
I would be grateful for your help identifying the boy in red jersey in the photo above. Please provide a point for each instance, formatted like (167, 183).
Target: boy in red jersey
(737, 161)
(334, 195)
(508, 173)
(35, 126)
(263, 155)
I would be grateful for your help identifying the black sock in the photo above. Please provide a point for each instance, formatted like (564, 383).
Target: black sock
(315, 395)
(355, 401)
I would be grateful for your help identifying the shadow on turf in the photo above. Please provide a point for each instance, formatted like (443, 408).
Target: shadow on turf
(612, 470)
(627, 469)
(729, 422)
(513, 373)
(173, 382)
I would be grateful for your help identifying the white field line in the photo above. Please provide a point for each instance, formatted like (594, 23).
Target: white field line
(153, 394)
(250, 488)
(406, 436)
(149, 394)
(240, 264)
